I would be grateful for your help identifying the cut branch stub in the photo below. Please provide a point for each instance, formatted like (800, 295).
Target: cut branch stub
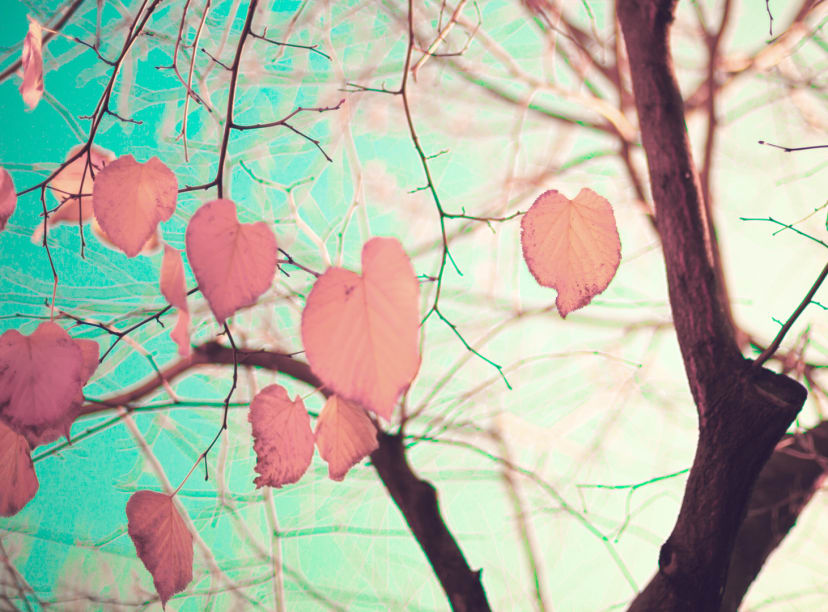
(753, 409)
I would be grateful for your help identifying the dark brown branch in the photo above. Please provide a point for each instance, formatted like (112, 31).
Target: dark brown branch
(792, 149)
(754, 409)
(713, 51)
(416, 498)
(743, 411)
(231, 98)
(311, 48)
(788, 481)
(101, 110)
(700, 311)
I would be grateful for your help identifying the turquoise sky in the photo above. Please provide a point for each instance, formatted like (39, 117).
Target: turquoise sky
(598, 402)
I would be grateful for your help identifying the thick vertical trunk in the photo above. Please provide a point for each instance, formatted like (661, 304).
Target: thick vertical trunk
(743, 410)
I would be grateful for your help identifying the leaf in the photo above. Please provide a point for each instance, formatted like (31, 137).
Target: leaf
(69, 186)
(130, 199)
(41, 377)
(90, 351)
(234, 263)
(32, 59)
(344, 435)
(571, 245)
(361, 332)
(150, 246)
(162, 540)
(8, 197)
(18, 481)
(76, 179)
(282, 436)
(174, 291)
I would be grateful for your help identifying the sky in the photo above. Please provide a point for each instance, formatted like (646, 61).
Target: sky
(598, 419)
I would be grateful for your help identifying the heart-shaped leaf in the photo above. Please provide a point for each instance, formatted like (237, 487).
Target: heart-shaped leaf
(175, 292)
(41, 377)
(571, 245)
(234, 263)
(74, 184)
(31, 89)
(344, 435)
(130, 199)
(18, 481)
(361, 332)
(162, 541)
(8, 197)
(282, 436)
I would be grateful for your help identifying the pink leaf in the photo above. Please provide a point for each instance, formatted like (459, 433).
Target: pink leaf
(282, 435)
(150, 246)
(181, 333)
(130, 199)
(41, 377)
(74, 183)
(572, 246)
(8, 197)
(361, 332)
(162, 541)
(18, 481)
(344, 435)
(32, 59)
(174, 291)
(172, 278)
(233, 262)
(90, 351)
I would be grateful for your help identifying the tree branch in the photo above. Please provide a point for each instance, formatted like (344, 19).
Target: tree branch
(416, 498)
(700, 311)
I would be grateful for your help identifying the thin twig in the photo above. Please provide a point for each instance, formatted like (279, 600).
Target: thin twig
(768, 352)
(792, 149)
(311, 48)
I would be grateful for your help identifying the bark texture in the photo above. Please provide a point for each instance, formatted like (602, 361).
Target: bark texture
(743, 410)
(787, 483)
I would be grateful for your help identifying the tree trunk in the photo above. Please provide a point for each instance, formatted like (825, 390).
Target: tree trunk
(743, 410)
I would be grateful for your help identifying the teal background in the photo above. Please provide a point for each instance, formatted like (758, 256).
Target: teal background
(598, 399)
